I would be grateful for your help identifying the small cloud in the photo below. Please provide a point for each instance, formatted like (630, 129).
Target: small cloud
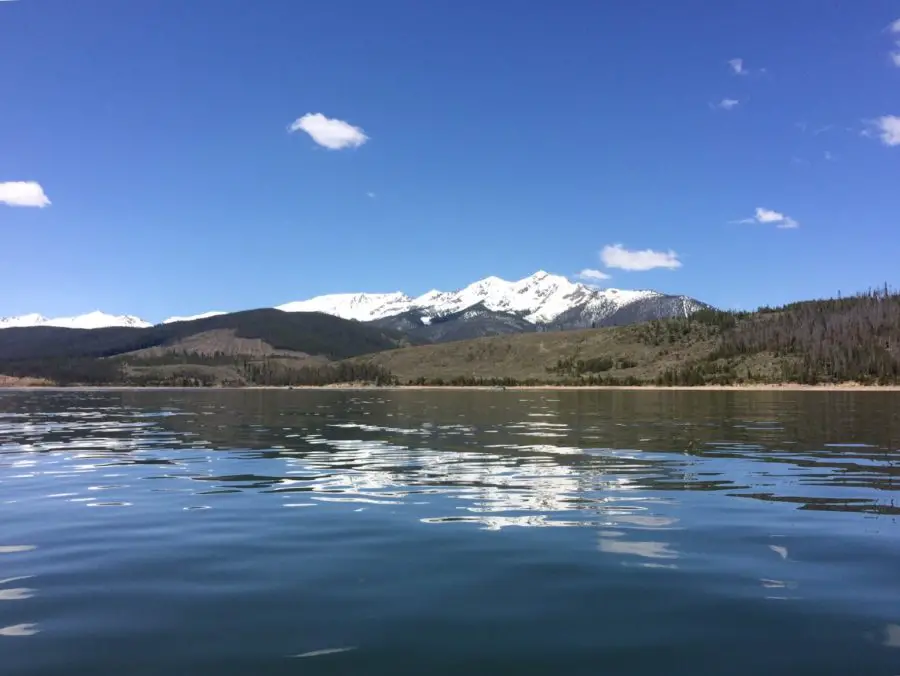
(894, 27)
(330, 133)
(726, 104)
(887, 128)
(370, 195)
(796, 161)
(616, 256)
(829, 156)
(895, 57)
(589, 275)
(737, 66)
(23, 194)
(770, 217)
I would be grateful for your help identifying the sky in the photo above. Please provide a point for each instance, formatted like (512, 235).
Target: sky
(163, 157)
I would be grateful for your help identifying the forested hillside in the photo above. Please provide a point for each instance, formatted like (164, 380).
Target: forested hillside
(854, 339)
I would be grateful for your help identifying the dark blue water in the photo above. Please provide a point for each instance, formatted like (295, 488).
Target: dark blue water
(264, 532)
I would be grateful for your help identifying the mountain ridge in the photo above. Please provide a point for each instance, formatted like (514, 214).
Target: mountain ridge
(541, 299)
(538, 298)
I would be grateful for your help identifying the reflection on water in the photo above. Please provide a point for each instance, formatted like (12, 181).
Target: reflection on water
(355, 519)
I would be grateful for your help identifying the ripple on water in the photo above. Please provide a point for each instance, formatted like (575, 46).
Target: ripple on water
(339, 517)
(15, 549)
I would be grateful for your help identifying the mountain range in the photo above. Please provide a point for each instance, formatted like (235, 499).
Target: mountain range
(490, 306)
(498, 340)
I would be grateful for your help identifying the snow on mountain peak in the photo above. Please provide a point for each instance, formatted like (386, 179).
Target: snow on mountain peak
(359, 306)
(538, 298)
(91, 320)
(33, 319)
(190, 318)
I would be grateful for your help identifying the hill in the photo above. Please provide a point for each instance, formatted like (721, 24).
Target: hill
(223, 349)
(829, 341)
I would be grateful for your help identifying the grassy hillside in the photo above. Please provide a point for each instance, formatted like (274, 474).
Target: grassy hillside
(547, 357)
(839, 340)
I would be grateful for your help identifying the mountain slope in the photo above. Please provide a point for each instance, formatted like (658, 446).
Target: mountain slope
(625, 308)
(473, 322)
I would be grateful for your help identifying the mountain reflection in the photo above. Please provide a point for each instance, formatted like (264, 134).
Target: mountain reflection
(602, 459)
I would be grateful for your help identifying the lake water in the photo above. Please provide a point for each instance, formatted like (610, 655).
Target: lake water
(449, 532)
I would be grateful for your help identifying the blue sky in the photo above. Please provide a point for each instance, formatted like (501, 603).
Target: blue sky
(478, 138)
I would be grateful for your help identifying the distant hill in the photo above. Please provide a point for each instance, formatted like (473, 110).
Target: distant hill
(307, 332)
(99, 355)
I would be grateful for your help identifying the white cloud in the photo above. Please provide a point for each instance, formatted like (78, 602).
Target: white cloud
(737, 66)
(888, 129)
(829, 156)
(370, 194)
(616, 256)
(330, 133)
(895, 26)
(23, 194)
(592, 275)
(727, 104)
(769, 216)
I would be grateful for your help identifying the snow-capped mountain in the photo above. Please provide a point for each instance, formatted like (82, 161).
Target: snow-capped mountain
(489, 306)
(91, 320)
(541, 299)
(202, 315)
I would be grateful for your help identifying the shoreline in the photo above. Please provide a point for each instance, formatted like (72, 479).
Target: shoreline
(756, 387)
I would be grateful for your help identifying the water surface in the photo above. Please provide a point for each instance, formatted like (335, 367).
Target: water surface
(449, 532)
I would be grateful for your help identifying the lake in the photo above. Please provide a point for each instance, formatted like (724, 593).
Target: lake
(449, 532)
